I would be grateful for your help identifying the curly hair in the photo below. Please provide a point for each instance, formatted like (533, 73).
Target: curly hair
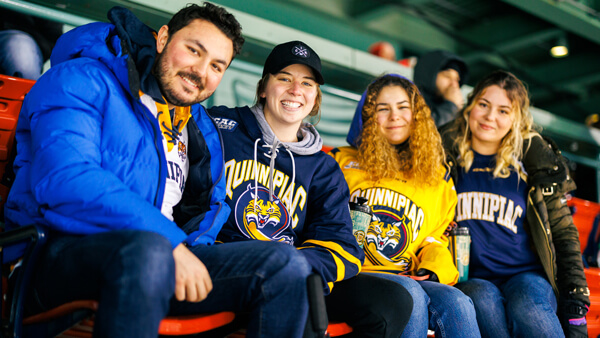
(511, 147)
(420, 159)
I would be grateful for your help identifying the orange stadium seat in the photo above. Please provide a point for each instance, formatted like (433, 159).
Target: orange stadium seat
(12, 93)
(584, 213)
(593, 317)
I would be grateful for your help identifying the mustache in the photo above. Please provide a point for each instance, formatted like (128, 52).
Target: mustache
(197, 80)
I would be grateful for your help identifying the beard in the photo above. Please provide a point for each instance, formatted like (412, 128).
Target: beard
(175, 97)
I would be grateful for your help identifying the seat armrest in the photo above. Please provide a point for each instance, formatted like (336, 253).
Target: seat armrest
(25, 243)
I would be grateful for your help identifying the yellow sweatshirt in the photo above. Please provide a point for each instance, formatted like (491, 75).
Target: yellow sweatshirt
(407, 230)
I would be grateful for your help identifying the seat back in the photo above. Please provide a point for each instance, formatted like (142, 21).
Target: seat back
(584, 213)
(12, 93)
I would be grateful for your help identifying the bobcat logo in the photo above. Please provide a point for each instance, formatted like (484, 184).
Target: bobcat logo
(384, 234)
(259, 218)
(182, 150)
(262, 214)
(387, 240)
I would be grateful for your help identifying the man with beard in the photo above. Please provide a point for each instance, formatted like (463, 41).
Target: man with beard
(106, 139)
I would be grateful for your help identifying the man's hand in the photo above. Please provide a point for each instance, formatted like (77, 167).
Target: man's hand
(192, 281)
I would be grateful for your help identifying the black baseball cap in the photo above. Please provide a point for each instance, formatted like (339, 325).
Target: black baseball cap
(291, 53)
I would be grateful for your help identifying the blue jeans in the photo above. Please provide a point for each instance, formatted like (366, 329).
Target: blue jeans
(20, 55)
(523, 306)
(132, 275)
(265, 279)
(440, 307)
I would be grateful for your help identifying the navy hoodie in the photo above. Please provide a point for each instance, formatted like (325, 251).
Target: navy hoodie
(299, 197)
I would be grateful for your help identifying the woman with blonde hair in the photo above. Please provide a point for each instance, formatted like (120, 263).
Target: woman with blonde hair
(396, 163)
(525, 255)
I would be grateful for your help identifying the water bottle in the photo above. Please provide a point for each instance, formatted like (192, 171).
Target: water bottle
(460, 246)
(361, 218)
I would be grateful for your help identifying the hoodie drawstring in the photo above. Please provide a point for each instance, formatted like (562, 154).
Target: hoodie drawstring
(293, 168)
(272, 155)
(255, 174)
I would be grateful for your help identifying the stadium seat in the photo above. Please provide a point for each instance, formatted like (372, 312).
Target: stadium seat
(593, 317)
(12, 93)
(584, 213)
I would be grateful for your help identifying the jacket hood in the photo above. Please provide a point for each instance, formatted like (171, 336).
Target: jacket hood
(430, 64)
(127, 43)
(357, 121)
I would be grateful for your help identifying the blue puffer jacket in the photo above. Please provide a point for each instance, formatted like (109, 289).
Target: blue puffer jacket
(90, 154)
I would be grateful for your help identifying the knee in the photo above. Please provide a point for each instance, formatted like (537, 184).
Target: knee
(283, 274)
(287, 260)
(145, 261)
(479, 289)
(462, 303)
(389, 313)
(399, 303)
(419, 296)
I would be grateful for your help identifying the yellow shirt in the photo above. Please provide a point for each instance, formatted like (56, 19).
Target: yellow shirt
(407, 230)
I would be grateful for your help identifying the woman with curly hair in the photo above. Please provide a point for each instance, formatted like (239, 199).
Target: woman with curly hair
(396, 162)
(525, 255)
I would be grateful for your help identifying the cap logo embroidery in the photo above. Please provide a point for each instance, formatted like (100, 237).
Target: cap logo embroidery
(300, 51)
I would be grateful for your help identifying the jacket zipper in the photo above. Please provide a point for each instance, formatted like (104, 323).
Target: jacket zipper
(553, 277)
(212, 188)
(160, 163)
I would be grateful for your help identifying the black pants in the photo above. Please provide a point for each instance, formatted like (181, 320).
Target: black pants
(372, 306)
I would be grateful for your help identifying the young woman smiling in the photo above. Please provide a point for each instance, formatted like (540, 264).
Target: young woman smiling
(396, 162)
(525, 256)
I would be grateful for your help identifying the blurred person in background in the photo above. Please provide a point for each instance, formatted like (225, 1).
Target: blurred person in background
(439, 75)
(26, 42)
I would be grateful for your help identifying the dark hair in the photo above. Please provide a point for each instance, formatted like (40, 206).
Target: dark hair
(216, 15)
